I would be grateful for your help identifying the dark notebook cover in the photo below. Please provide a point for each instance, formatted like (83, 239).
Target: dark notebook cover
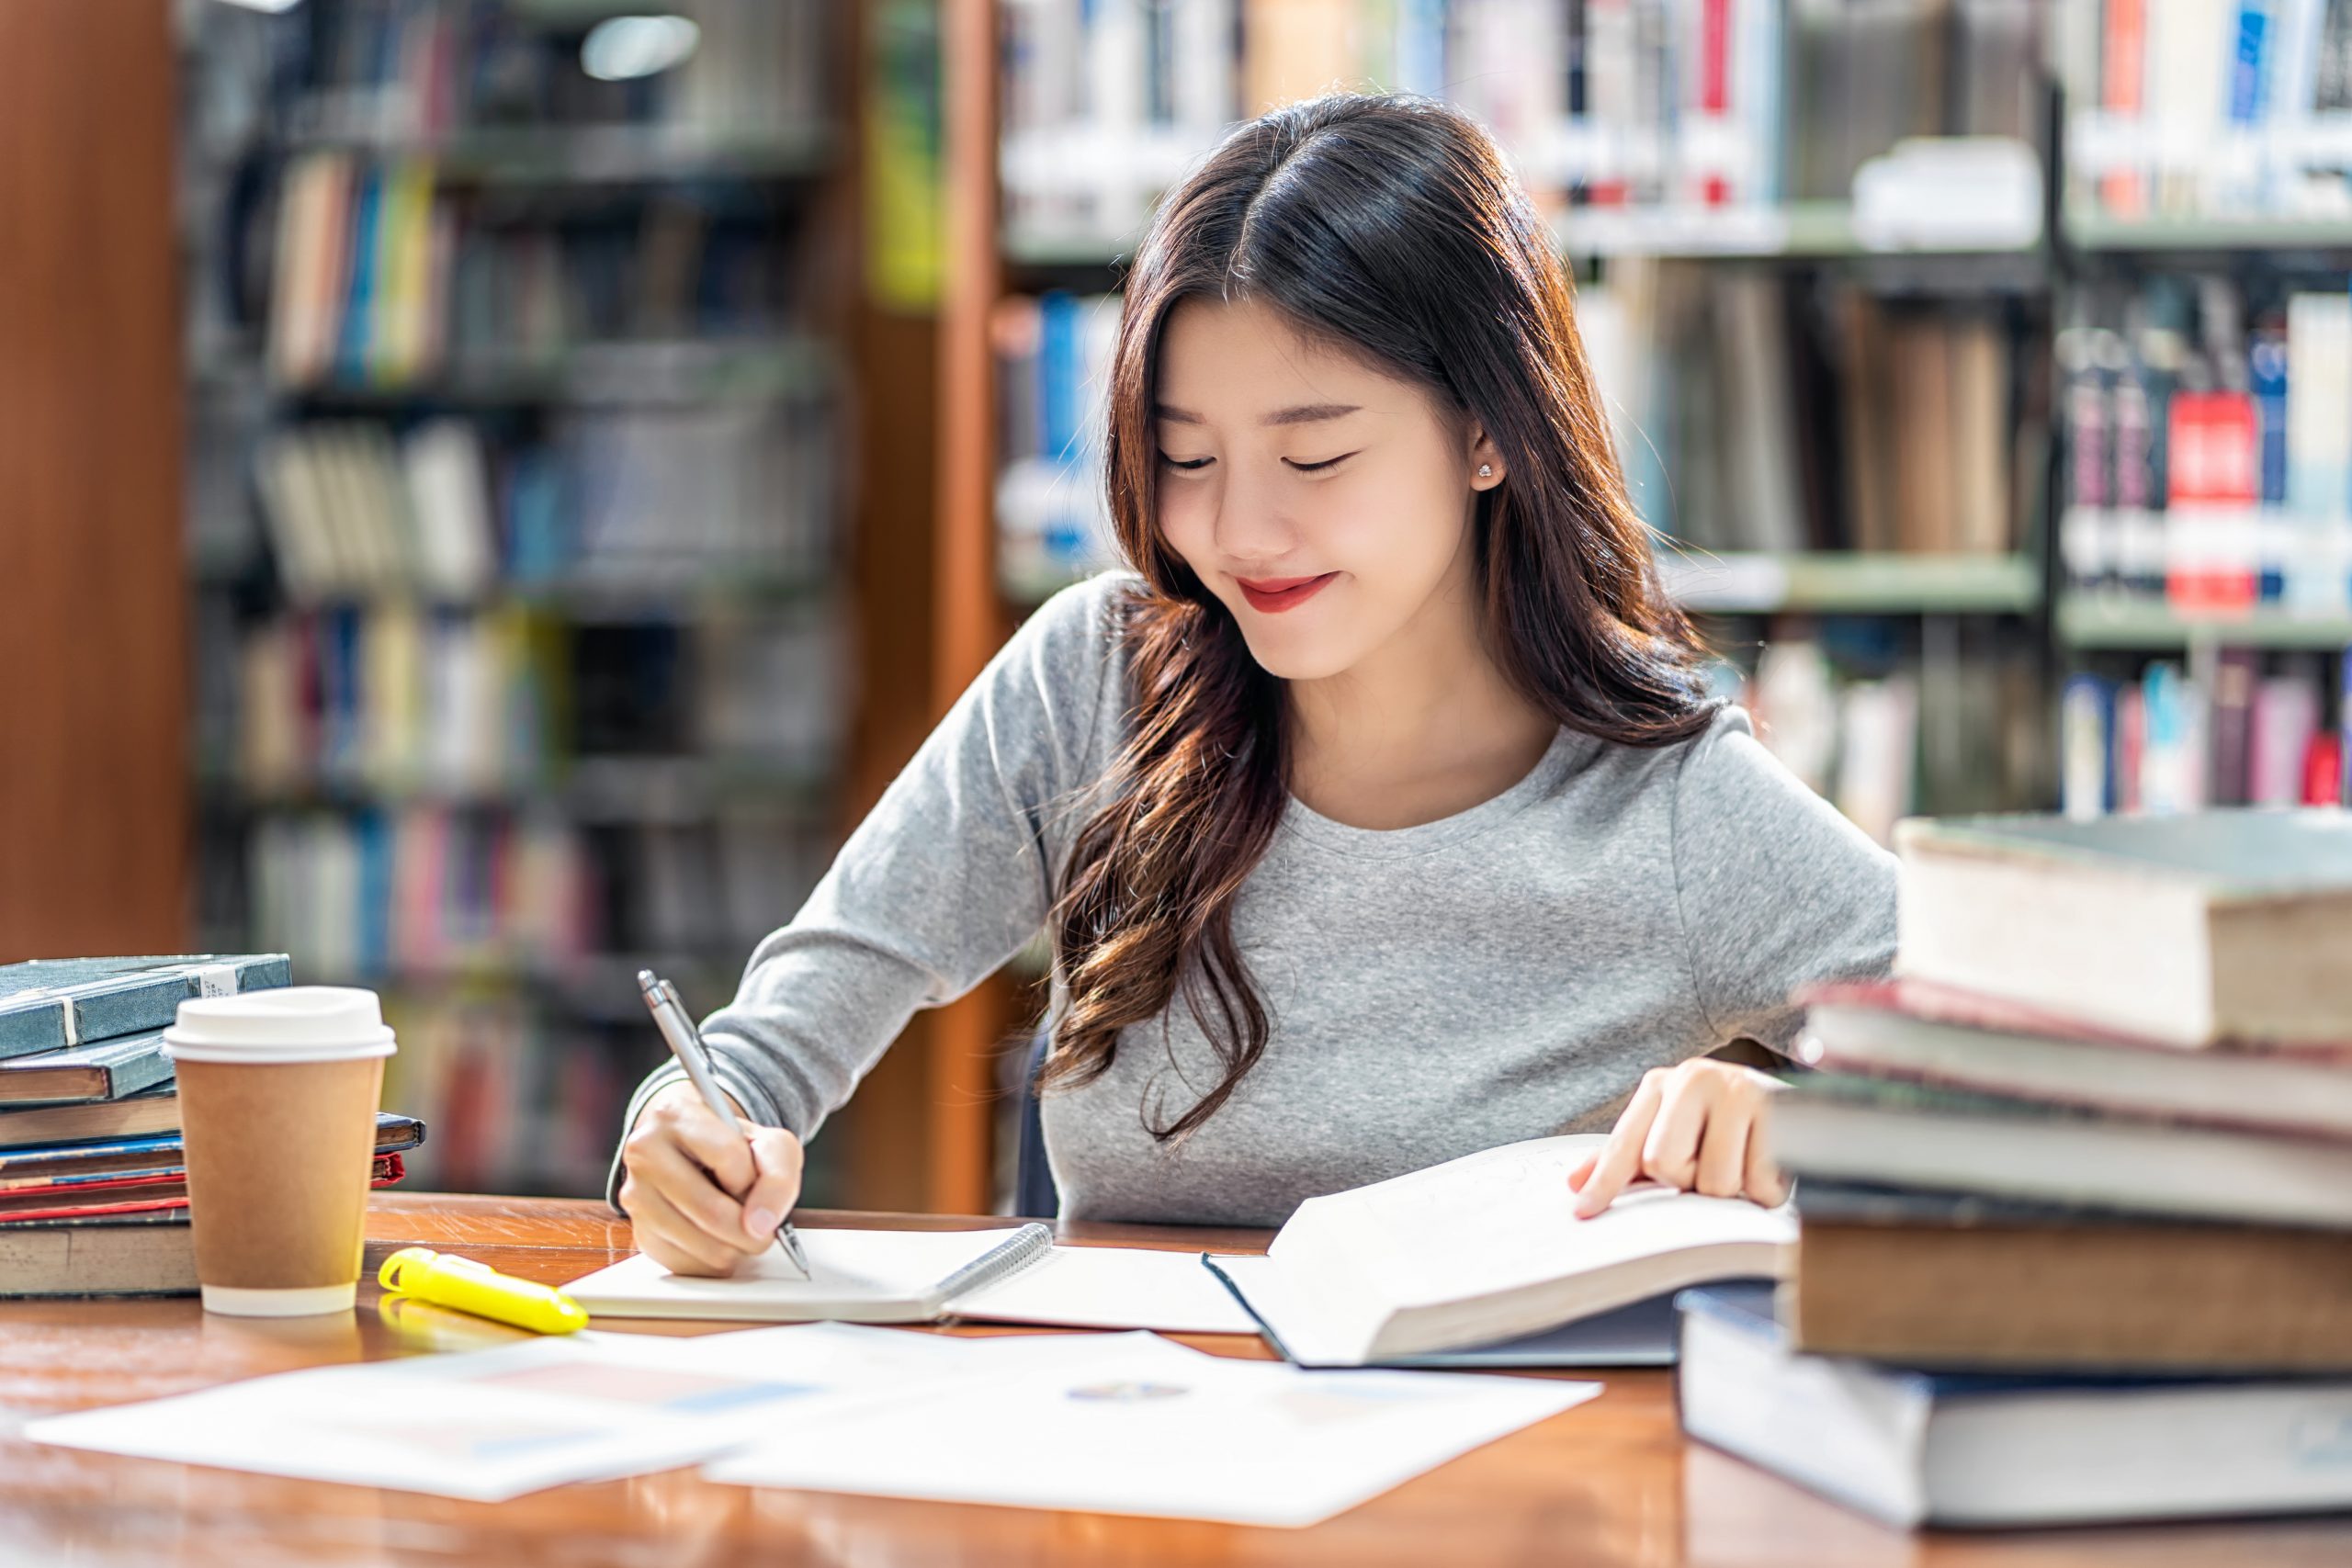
(49, 1004)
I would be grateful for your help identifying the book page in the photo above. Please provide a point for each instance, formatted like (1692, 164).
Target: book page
(1506, 1218)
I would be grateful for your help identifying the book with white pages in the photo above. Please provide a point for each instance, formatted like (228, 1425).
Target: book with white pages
(1466, 1262)
(889, 1276)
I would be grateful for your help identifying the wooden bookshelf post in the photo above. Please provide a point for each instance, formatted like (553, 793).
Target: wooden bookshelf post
(94, 798)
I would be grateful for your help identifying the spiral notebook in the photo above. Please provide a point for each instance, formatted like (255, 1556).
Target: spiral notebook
(856, 1275)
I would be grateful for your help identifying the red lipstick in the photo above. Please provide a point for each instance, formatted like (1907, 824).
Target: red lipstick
(1276, 595)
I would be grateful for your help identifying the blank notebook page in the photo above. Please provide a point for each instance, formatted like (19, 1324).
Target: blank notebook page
(847, 1268)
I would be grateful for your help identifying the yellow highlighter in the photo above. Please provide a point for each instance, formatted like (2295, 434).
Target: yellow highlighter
(477, 1287)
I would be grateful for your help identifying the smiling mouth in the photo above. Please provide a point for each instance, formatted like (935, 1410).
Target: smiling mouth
(1276, 595)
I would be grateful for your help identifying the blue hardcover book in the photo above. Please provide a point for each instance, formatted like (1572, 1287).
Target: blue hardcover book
(393, 1134)
(2343, 736)
(2266, 364)
(359, 308)
(1059, 372)
(105, 1069)
(1912, 1448)
(49, 1004)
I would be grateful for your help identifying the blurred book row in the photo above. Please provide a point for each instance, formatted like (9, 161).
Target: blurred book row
(448, 509)
(2230, 733)
(383, 278)
(1608, 104)
(1884, 724)
(400, 699)
(2209, 108)
(433, 894)
(2210, 446)
(516, 1102)
(428, 69)
(1755, 411)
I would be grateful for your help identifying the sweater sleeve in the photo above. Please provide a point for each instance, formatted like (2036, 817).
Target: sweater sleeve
(1777, 888)
(945, 880)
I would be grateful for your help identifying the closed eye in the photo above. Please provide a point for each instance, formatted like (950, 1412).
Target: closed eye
(1319, 468)
(1195, 466)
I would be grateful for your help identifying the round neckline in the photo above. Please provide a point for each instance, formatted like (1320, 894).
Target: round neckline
(1422, 837)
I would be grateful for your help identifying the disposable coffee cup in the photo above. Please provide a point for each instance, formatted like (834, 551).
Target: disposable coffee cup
(279, 1091)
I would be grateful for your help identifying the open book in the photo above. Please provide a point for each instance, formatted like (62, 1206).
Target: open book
(1488, 1248)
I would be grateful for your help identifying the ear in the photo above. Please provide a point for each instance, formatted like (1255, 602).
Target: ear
(1485, 455)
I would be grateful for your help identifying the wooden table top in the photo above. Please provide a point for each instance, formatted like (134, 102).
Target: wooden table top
(1607, 1483)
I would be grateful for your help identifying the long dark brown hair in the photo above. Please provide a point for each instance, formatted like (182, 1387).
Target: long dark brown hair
(1387, 226)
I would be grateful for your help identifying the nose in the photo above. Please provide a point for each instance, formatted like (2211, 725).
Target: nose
(1251, 530)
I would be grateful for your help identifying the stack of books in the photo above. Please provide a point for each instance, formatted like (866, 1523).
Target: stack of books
(93, 1178)
(2072, 1188)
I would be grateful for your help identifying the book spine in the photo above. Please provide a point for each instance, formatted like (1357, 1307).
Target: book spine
(353, 350)
(2266, 366)
(2087, 717)
(2124, 192)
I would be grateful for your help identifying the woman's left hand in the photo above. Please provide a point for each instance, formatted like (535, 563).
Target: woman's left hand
(1699, 1125)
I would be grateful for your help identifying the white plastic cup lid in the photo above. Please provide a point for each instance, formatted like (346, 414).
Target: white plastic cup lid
(290, 1023)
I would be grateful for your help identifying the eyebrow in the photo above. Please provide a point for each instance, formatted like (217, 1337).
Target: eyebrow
(1302, 413)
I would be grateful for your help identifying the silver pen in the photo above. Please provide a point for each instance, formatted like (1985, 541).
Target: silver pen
(686, 1044)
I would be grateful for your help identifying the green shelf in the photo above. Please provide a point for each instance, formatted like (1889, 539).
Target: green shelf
(1799, 228)
(1852, 581)
(1803, 228)
(2100, 231)
(2089, 621)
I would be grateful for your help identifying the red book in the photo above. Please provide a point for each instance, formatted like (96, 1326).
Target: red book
(2124, 194)
(1714, 85)
(2213, 485)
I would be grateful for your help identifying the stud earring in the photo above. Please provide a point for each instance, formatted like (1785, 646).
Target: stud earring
(1486, 470)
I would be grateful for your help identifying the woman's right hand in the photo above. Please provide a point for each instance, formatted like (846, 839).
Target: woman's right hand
(684, 1167)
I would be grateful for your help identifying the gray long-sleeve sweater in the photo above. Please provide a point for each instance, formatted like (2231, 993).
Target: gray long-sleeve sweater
(1504, 973)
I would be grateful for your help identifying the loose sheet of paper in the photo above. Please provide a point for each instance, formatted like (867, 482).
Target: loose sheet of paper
(1142, 1426)
(1112, 1287)
(496, 1424)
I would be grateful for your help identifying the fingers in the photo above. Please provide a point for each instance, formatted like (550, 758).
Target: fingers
(1721, 1168)
(776, 1154)
(670, 1238)
(711, 1143)
(661, 1167)
(1763, 1180)
(1621, 1158)
(1698, 1127)
(1670, 1153)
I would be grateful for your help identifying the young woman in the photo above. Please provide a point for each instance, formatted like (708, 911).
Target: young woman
(1378, 815)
